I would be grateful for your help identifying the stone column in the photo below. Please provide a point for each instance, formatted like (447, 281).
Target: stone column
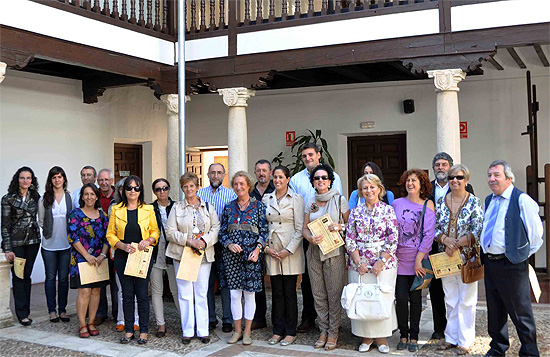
(237, 137)
(172, 147)
(448, 122)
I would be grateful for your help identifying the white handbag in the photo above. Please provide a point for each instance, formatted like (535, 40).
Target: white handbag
(367, 302)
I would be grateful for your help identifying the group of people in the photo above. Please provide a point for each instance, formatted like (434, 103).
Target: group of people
(261, 228)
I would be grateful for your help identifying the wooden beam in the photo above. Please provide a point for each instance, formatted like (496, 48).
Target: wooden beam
(542, 58)
(495, 64)
(516, 58)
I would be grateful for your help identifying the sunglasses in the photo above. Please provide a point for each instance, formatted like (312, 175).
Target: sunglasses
(317, 178)
(164, 188)
(135, 188)
(458, 177)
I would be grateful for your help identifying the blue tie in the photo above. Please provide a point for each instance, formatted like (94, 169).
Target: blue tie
(488, 236)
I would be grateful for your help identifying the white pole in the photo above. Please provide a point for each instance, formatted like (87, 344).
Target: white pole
(181, 88)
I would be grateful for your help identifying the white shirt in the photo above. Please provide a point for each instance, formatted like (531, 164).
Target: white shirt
(440, 191)
(529, 211)
(58, 240)
(301, 184)
(161, 256)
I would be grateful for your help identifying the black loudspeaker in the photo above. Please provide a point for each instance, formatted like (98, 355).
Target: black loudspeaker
(408, 106)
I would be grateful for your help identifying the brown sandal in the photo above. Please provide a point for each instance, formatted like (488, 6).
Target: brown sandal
(84, 334)
(331, 343)
(321, 342)
(461, 351)
(93, 331)
(445, 346)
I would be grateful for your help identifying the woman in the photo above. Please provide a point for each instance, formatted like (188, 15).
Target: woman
(87, 228)
(53, 211)
(243, 235)
(459, 218)
(415, 187)
(162, 205)
(371, 242)
(132, 221)
(368, 169)
(20, 236)
(284, 259)
(192, 223)
(332, 266)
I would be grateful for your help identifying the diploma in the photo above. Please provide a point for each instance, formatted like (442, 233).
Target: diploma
(331, 240)
(190, 263)
(534, 283)
(19, 267)
(89, 273)
(443, 265)
(138, 262)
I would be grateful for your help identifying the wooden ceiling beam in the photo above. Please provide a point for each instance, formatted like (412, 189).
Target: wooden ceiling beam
(541, 55)
(516, 57)
(495, 64)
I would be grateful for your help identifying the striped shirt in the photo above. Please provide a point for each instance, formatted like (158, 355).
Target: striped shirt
(218, 199)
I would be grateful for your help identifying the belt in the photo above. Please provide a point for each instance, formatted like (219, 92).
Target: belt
(495, 256)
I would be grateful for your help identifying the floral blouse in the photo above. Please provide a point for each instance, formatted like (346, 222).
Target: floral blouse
(91, 233)
(366, 227)
(470, 220)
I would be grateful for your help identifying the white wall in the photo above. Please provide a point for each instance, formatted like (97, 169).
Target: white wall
(43, 122)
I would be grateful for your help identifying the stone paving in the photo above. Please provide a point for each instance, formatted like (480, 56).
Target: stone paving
(44, 338)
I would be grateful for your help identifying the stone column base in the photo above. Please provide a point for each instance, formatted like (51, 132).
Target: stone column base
(6, 317)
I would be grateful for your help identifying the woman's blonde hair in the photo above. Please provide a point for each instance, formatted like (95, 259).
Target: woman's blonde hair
(459, 167)
(373, 180)
(247, 177)
(189, 176)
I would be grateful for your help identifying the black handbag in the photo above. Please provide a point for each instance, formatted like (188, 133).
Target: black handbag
(420, 283)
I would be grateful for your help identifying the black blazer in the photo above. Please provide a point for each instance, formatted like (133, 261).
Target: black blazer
(161, 228)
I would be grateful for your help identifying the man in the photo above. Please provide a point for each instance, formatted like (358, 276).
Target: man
(300, 183)
(262, 170)
(105, 180)
(218, 196)
(441, 164)
(88, 174)
(512, 232)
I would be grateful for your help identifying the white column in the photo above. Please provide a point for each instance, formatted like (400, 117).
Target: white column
(2, 71)
(172, 148)
(448, 120)
(237, 143)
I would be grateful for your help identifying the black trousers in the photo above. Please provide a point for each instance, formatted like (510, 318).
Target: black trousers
(102, 310)
(261, 304)
(285, 304)
(404, 297)
(308, 309)
(22, 287)
(437, 297)
(133, 288)
(507, 290)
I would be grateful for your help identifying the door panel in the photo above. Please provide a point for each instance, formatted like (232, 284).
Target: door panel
(128, 161)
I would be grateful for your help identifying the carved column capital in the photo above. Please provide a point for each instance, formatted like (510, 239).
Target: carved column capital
(447, 79)
(236, 97)
(171, 101)
(2, 71)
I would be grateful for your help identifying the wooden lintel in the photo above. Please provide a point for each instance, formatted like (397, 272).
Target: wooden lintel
(516, 57)
(541, 55)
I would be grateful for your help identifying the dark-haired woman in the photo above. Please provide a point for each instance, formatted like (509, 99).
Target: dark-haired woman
(411, 250)
(370, 168)
(132, 221)
(284, 254)
(163, 205)
(327, 272)
(87, 228)
(20, 236)
(53, 209)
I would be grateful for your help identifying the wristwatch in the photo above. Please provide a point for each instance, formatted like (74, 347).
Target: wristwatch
(384, 260)
(260, 246)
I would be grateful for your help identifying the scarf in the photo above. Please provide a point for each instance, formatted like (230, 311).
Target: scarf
(333, 206)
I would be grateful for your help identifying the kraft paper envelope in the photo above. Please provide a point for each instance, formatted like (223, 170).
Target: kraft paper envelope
(19, 267)
(89, 273)
(190, 264)
(138, 262)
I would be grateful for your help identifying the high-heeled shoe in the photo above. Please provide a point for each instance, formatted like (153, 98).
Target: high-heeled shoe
(331, 343)
(320, 343)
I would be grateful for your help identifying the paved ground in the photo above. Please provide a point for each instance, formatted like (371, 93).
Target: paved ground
(44, 338)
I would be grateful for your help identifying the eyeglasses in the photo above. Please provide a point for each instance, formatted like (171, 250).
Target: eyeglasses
(164, 188)
(458, 177)
(135, 188)
(317, 178)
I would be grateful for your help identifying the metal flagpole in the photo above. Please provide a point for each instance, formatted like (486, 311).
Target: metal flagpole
(181, 89)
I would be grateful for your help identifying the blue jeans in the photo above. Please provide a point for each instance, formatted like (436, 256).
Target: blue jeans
(56, 264)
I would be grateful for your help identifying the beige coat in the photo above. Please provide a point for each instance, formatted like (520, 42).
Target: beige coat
(179, 227)
(285, 220)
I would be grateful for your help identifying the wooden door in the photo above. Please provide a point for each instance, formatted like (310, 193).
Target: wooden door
(387, 151)
(194, 164)
(224, 160)
(128, 161)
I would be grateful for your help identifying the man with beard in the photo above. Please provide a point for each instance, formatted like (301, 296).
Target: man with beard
(441, 163)
(262, 170)
(218, 196)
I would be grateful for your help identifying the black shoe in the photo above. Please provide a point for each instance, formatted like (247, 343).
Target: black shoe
(160, 333)
(438, 336)
(126, 340)
(258, 325)
(142, 341)
(99, 320)
(65, 318)
(305, 326)
(25, 323)
(212, 325)
(55, 319)
(227, 327)
(402, 346)
(205, 339)
(186, 340)
(413, 347)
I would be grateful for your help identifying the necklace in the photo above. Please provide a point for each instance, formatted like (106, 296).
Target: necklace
(280, 198)
(453, 218)
(243, 207)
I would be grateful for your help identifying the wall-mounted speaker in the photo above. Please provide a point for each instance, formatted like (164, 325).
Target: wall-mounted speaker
(408, 106)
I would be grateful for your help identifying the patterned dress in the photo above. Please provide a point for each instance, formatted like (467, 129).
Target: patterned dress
(89, 232)
(246, 228)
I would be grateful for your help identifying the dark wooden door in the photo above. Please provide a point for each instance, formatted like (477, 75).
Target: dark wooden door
(387, 151)
(128, 161)
(194, 164)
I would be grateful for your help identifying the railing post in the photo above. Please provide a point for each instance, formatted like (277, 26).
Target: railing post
(203, 16)
(212, 15)
(232, 24)
(259, 12)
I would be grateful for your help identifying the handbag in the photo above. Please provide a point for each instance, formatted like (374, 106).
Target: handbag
(472, 270)
(367, 302)
(420, 283)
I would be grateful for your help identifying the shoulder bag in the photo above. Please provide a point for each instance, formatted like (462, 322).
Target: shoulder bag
(420, 283)
(367, 302)
(472, 270)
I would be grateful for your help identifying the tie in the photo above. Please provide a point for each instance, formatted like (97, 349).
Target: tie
(488, 237)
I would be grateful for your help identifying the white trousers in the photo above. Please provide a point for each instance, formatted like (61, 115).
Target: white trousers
(157, 288)
(461, 301)
(237, 307)
(120, 315)
(193, 302)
